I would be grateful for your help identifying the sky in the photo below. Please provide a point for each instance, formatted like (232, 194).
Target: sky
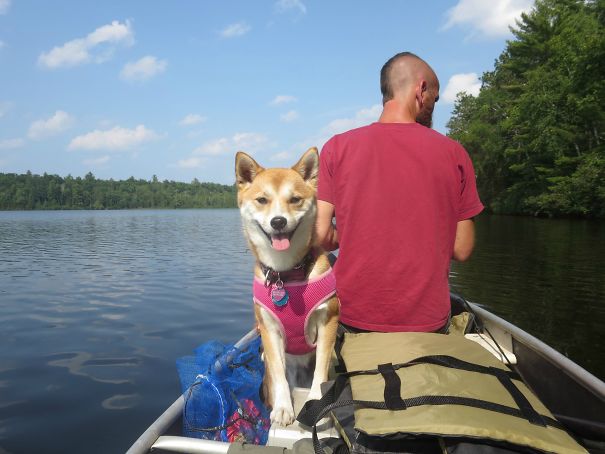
(176, 88)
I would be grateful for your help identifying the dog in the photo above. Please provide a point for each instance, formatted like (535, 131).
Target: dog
(278, 210)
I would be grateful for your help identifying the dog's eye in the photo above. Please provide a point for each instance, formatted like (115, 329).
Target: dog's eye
(295, 199)
(262, 200)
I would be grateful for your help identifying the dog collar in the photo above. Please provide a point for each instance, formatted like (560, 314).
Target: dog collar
(298, 273)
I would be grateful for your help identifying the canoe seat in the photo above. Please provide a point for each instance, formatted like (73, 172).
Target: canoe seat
(487, 343)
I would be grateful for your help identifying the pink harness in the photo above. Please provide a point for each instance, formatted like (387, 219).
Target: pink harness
(303, 298)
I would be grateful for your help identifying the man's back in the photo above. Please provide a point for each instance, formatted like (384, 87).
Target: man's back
(399, 190)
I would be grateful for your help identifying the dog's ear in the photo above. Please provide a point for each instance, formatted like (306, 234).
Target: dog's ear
(308, 166)
(246, 169)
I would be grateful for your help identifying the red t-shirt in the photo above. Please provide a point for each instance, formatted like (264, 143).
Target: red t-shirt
(399, 190)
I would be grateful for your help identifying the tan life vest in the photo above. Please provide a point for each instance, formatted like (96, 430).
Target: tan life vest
(421, 384)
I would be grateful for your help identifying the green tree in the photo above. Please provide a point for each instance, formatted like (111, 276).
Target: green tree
(536, 130)
(29, 191)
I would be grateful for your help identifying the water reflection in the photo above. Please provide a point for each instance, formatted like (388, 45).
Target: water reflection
(545, 276)
(121, 401)
(81, 364)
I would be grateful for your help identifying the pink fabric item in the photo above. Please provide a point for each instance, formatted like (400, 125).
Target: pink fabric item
(398, 190)
(304, 298)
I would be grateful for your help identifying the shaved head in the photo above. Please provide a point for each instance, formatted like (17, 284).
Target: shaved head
(410, 89)
(402, 71)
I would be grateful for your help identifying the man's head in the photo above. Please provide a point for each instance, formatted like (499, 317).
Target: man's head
(408, 79)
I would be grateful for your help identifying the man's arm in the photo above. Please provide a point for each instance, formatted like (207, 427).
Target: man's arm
(326, 234)
(465, 240)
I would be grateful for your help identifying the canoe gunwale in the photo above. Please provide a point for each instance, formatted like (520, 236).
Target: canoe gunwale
(574, 371)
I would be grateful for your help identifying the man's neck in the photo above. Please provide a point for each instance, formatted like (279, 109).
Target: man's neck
(395, 111)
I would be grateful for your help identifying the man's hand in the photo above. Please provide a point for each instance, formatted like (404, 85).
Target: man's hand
(465, 240)
(325, 233)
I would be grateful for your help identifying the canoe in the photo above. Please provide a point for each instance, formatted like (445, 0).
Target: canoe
(573, 395)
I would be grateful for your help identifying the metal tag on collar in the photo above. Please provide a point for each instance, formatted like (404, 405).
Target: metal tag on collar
(279, 295)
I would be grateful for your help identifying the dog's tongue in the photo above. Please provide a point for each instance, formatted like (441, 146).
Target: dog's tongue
(280, 244)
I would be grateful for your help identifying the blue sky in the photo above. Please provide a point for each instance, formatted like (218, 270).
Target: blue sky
(176, 88)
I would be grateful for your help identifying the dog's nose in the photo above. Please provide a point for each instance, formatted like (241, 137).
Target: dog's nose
(278, 222)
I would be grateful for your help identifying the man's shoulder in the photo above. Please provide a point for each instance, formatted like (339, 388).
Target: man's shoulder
(352, 136)
(356, 132)
(437, 136)
(444, 142)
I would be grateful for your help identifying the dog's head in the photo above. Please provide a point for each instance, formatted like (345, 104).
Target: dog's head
(278, 208)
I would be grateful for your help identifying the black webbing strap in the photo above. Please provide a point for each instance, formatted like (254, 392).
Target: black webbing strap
(524, 406)
(504, 377)
(455, 363)
(392, 391)
(439, 360)
(392, 387)
(309, 413)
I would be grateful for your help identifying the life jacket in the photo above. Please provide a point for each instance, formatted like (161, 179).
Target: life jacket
(411, 387)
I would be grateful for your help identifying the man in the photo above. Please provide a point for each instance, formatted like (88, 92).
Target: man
(404, 197)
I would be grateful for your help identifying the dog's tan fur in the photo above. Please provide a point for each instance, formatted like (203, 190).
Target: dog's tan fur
(262, 195)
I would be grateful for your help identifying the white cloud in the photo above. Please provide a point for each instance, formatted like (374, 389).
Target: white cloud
(4, 6)
(96, 161)
(115, 139)
(97, 46)
(289, 117)
(362, 117)
(11, 144)
(283, 99)
(2, 44)
(143, 69)
(193, 119)
(215, 147)
(5, 107)
(235, 30)
(491, 18)
(468, 83)
(193, 162)
(59, 122)
(288, 5)
(241, 141)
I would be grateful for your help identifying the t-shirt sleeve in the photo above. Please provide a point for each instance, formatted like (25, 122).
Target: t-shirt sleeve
(470, 204)
(325, 183)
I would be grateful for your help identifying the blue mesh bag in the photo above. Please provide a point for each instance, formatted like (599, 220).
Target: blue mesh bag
(221, 385)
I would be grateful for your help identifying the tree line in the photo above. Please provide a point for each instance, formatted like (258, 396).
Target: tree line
(52, 192)
(536, 131)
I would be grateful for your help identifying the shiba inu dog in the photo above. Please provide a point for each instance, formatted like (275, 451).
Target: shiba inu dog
(295, 306)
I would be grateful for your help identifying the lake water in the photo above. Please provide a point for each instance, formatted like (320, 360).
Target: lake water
(95, 306)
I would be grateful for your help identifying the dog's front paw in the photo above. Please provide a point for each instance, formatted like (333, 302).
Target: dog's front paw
(314, 394)
(282, 415)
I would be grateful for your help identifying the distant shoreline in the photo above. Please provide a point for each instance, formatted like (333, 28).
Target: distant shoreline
(51, 192)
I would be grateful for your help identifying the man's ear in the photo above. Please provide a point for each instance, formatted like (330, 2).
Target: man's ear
(308, 166)
(420, 89)
(246, 170)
